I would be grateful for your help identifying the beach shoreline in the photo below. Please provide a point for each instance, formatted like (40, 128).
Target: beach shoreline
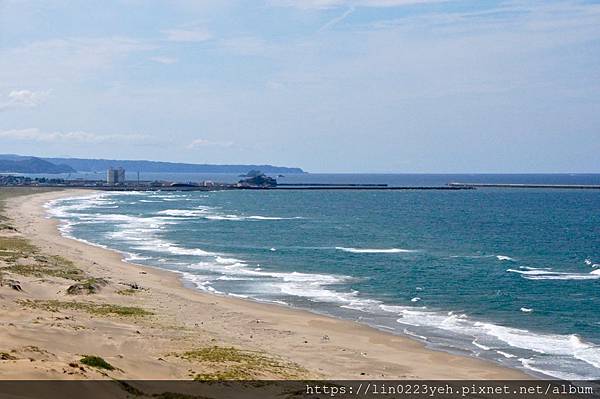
(321, 347)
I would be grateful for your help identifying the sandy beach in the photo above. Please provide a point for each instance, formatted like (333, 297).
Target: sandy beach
(145, 324)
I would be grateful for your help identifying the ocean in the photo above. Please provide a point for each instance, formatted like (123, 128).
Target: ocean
(508, 275)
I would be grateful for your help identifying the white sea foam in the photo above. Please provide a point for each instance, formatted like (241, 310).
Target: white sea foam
(546, 274)
(184, 212)
(238, 295)
(168, 196)
(226, 261)
(480, 346)
(201, 282)
(506, 355)
(542, 367)
(504, 258)
(526, 310)
(131, 257)
(415, 299)
(313, 286)
(270, 218)
(176, 250)
(412, 334)
(275, 301)
(375, 250)
(384, 327)
(552, 347)
(541, 343)
(212, 213)
(140, 232)
(227, 278)
(63, 207)
(534, 268)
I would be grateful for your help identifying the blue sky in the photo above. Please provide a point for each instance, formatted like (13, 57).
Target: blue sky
(327, 85)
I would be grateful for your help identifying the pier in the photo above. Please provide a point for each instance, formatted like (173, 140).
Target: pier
(365, 187)
(513, 185)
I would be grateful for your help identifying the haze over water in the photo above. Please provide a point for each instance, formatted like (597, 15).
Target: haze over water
(507, 275)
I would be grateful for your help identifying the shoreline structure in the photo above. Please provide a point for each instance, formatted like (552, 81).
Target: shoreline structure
(160, 346)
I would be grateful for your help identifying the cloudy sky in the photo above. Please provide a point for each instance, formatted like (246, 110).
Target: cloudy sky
(327, 85)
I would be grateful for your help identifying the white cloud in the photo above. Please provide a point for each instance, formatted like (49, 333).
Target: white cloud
(164, 60)
(65, 59)
(207, 143)
(24, 98)
(36, 135)
(187, 35)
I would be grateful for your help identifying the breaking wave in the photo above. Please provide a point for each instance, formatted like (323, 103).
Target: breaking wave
(551, 350)
(548, 274)
(210, 213)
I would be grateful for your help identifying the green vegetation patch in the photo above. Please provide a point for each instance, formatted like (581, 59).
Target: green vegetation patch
(233, 373)
(37, 270)
(99, 309)
(54, 260)
(229, 363)
(220, 354)
(89, 286)
(12, 248)
(42, 266)
(97, 362)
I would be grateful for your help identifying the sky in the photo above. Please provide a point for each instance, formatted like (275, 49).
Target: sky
(389, 86)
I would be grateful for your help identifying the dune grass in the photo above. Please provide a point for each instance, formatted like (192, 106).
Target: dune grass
(21, 257)
(228, 363)
(57, 269)
(98, 309)
(97, 362)
(13, 248)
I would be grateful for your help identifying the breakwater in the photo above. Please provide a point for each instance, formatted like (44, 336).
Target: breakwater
(512, 185)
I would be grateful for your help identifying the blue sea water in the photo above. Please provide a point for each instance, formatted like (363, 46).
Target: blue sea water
(509, 275)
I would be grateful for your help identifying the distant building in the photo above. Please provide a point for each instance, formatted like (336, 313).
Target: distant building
(115, 176)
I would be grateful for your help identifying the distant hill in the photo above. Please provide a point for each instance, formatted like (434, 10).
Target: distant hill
(31, 165)
(100, 165)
